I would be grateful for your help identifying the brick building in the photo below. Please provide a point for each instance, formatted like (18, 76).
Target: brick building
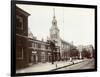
(41, 52)
(22, 56)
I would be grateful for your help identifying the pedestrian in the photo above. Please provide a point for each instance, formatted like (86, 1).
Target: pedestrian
(73, 62)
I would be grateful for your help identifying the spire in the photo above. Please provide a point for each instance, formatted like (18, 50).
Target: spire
(54, 12)
(54, 21)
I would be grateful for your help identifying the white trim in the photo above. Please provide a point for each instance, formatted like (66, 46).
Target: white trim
(22, 36)
(34, 52)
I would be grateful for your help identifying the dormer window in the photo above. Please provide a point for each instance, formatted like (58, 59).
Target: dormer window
(19, 22)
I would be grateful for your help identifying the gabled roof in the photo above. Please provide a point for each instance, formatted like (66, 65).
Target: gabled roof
(63, 41)
(22, 11)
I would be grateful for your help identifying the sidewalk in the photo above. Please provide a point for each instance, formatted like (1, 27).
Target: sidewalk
(42, 67)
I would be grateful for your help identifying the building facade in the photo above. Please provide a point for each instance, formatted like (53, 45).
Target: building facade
(41, 51)
(21, 38)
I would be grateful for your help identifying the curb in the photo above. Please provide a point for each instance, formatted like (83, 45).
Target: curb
(66, 66)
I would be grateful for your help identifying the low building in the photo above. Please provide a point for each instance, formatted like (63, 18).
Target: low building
(65, 49)
(40, 51)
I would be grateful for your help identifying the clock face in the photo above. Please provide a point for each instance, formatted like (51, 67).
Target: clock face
(54, 23)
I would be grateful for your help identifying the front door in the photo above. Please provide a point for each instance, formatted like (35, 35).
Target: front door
(33, 59)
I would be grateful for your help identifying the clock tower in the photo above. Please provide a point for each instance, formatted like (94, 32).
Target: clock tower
(54, 31)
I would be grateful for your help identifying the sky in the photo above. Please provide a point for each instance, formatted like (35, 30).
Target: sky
(75, 24)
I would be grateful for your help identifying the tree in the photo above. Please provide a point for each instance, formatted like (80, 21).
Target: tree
(86, 53)
(52, 47)
(74, 52)
(93, 53)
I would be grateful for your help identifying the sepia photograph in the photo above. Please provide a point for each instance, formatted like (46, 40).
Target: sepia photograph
(54, 38)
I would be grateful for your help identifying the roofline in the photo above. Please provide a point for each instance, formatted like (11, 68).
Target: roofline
(23, 11)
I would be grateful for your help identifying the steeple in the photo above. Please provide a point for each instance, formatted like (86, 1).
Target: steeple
(54, 31)
(54, 21)
(54, 12)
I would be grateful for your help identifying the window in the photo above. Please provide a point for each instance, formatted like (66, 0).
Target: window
(33, 44)
(19, 53)
(39, 45)
(19, 22)
(46, 46)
